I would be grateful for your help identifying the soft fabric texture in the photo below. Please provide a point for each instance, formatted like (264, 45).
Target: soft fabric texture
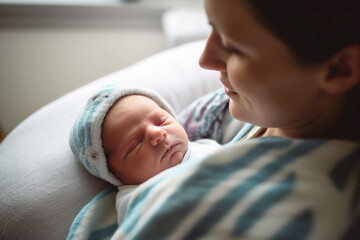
(85, 138)
(89, 222)
(100, 218)
(43, 187)
(209, 117)
(262, 188)
(197, 151)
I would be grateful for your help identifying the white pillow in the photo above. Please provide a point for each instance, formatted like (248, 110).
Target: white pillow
(43, 187)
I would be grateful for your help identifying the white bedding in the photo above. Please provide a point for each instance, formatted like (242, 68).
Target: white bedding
(42, 184)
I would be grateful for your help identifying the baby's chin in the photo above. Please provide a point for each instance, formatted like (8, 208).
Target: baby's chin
(175, 159)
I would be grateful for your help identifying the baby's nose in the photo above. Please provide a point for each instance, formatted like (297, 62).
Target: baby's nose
(157, 135)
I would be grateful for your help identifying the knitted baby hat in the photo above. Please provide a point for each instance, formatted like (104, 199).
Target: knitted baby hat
(85, 137)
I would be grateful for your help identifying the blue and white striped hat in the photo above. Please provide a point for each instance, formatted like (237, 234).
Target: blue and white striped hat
(85, 138)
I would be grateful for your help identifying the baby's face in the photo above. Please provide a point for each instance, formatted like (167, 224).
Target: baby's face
(141, 139)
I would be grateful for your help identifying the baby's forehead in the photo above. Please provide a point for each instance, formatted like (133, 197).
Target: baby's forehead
(137, 100)
(133, 104)
(127, 113)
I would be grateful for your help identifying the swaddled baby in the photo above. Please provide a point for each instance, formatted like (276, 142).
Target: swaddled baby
(126, 136)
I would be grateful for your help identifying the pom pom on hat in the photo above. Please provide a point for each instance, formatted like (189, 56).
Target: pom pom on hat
(85, 137)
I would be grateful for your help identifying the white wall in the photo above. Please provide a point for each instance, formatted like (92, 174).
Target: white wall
(39, 65)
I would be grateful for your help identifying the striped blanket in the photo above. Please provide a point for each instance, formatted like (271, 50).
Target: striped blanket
(266, 188)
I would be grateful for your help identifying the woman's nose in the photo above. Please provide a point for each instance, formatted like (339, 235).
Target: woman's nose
(156, 135)
(212, 57)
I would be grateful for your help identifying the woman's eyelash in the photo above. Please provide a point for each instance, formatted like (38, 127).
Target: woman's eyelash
(230, 49)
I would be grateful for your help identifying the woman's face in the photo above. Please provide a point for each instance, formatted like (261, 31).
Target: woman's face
(266, 84)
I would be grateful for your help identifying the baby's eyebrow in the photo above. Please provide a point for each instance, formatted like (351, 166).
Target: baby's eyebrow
(156, 114)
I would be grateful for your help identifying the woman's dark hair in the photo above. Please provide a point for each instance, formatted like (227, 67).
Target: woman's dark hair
(314, 30)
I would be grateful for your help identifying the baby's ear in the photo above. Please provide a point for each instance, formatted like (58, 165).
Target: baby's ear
(343, 71)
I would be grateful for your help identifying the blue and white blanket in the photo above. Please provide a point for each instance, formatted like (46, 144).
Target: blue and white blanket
(264, 188)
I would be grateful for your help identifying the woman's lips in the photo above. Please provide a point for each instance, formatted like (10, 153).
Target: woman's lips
(223, 79)
(170, 151)
(229, 92)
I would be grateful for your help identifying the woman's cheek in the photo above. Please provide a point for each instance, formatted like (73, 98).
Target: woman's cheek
(240, 76)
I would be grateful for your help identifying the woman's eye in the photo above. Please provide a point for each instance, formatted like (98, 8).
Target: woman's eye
(231, 50)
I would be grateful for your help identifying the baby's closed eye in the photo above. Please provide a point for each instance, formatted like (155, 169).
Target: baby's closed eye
(134, 147)
(162, 120)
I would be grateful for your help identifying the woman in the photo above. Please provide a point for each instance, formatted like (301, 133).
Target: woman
(275, 70)
(291, 70)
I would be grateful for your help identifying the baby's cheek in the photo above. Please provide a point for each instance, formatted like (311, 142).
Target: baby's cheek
(175, 159)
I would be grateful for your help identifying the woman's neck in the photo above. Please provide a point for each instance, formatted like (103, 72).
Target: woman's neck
(328, 124)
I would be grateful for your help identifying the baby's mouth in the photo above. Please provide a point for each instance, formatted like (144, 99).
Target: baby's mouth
(169, 151)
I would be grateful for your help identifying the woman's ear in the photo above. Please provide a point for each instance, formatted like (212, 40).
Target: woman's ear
(343, 71)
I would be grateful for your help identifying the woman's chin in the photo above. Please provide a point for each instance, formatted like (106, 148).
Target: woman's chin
(235, 112)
